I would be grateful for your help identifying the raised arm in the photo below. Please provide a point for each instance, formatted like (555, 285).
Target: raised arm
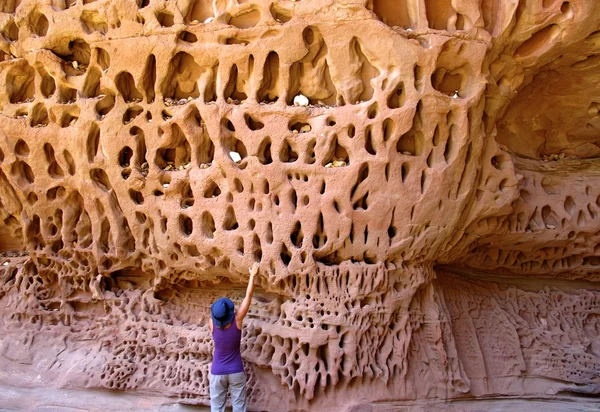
(245, 305)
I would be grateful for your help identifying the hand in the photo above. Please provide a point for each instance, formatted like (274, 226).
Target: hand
(254, 270)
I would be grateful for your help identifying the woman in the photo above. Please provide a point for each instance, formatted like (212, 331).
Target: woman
(227, 370)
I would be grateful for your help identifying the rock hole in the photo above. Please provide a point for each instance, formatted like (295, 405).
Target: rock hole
(187, 196)
(351, 131)
(293, 199)
(234, 40)
(418, 76)
(207, 225)
(410, 143)
(438, 13)
(102, 58)
(397, 97)
(22, 148)
(297, 236)
(148, 79)
(70, 162)
(449, 149)
(11, 31)
(319, 238)
(188, 37)
(447, 82)
(436, 136)
(55, 192)
(264, 152)
(424, 181)
(287, 154)
(256, 248)
(100, 179)
(165, 18)
(269, 84)
(125, 156)
(269, 233)
(91, 86)
(280, 13)
(299, 127)
(252, 123)
(105, 105)
(387, 129)
(198, 11)
(310, 152)
(131, 113)
(246, 19)
(549, 217)
(48, 85)
(369, 141)
(538, 42)
(237, 184)
(391, 13)
(93, 141)
(181, 81)
(495, 162)
(232, 92)
(9, 6)
(54, 169)
(39, 24)
(32, 198)
(430, 158)
(236, 150)
(570, 206)
(126, 86)
(185, 225)
(372, 111)
(22, 173)
(163, 224)
(368, 72)
(336, 153)
(177, 155)
(230, 221)
(20, 85)
(70, 117)
(136, 197)
(404, 169)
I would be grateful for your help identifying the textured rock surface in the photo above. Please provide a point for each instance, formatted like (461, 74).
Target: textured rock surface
(425, 214)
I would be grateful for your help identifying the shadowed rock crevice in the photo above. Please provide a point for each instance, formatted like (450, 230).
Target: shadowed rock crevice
(417, 181)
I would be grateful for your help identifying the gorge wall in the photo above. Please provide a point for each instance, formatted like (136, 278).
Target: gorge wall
(419, 180)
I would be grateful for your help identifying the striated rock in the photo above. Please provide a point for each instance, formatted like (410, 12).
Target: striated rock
(418, 180)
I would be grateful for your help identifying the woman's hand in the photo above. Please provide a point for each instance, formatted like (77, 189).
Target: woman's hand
(245, 305)
(254, 271)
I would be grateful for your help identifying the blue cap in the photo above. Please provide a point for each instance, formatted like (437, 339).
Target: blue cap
(222, 312)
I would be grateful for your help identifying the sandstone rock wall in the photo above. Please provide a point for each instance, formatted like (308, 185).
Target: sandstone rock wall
(426, 221)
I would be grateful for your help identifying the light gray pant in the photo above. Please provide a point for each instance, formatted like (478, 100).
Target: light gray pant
(236, 382)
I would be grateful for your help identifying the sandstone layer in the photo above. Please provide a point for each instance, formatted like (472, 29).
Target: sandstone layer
(419, 181)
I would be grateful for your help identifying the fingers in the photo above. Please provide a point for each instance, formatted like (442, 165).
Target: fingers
(254, 268)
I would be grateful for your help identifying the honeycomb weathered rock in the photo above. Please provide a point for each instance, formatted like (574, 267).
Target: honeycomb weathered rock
(404, 173)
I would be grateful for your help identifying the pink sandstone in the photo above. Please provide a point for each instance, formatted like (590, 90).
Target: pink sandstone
(425, 215)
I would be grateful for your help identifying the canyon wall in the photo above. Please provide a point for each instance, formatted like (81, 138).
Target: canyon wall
(419, 181)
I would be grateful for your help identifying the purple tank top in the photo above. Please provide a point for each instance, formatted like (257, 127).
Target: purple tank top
(227, 358)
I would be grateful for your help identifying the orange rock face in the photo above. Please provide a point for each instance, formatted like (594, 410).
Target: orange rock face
(418, 180)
